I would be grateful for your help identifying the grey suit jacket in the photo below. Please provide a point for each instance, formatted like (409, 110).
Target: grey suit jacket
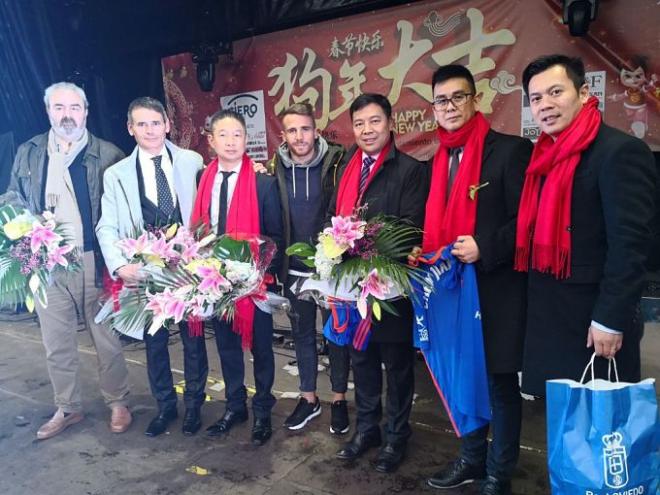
(121, 211)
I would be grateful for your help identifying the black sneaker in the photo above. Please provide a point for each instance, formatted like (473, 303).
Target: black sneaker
(302, 414)
(339, 423)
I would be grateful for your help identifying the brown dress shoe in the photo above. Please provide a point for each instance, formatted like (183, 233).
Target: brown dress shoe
(58, 423)
(121, 419)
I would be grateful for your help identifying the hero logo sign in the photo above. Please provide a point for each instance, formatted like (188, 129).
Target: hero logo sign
(244, 104)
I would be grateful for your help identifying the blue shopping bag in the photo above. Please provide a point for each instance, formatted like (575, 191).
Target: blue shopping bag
(603, 436)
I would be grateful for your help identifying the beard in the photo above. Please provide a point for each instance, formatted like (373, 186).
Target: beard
(68, 129)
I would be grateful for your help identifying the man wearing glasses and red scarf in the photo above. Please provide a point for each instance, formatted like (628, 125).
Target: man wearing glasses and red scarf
(476, 179)
(388, 182)
(583, 231)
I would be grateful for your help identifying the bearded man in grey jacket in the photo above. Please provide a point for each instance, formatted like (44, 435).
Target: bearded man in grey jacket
(61, 171)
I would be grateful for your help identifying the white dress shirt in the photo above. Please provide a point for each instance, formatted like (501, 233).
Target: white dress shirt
(149, 174)
(215, 193)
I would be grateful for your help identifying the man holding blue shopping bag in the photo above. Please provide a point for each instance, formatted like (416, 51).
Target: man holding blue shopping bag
(583, 234)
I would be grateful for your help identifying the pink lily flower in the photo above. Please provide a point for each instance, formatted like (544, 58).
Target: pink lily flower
(56, 256)
(212, 280)
(42, 236)
(375, 285)
(190, 252)
(133, 247)
(345, 230)
(163, 249)
(174, 307)
(155, 304)
(183, 237)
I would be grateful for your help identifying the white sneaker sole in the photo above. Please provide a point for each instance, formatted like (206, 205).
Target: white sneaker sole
(340, 432)
(464, 482)
(307, 420)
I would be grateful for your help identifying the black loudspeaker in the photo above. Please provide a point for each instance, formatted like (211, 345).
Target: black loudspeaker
(206, 75)
(578, 14)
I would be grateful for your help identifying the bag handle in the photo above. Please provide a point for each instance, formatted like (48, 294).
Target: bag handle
(611, 363)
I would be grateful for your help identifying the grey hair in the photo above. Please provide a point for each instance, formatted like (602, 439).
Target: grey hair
(64, 85)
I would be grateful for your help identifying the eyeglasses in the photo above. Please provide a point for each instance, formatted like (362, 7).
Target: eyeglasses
(458, 100)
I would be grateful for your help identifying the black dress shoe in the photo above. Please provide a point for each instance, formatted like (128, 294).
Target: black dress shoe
(359, 444)
(390, 457)
(494, 486)
(192, 421)
(226, 423)
(159, 424)
(261, 431)
(456, 474)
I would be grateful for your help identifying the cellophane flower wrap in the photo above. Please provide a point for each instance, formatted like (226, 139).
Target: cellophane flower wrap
(33, 250)
(187, 275)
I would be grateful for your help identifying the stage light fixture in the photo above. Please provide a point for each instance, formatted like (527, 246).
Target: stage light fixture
(578, 14)
(205, 56)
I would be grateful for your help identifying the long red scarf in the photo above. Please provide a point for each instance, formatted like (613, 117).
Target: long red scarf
(242, 218)
(347, 193)
(544, 220)
(447, 219)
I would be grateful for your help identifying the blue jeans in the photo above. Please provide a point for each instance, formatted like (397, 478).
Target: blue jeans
(501, 456)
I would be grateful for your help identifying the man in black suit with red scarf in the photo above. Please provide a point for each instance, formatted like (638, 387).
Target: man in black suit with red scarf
(233, 200)
(583, 231)
(388, 182)
(476, 180)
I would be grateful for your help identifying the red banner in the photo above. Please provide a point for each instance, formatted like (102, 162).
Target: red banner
(395, 51)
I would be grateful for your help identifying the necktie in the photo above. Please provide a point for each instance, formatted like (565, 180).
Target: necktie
(222, 211)
(165, 202)
(454, 160)
(364, 173)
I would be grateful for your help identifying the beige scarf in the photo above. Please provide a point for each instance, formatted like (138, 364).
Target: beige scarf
(60, 194)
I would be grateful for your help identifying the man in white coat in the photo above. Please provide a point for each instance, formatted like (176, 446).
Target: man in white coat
(154, 187)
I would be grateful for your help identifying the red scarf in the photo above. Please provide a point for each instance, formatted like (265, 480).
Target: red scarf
(447, 219)
(347, 193)
(544, 220)
(242, 218)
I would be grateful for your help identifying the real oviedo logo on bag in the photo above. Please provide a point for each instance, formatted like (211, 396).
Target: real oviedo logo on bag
(615, 467)
(615, 461)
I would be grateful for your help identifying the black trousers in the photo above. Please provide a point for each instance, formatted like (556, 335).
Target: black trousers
(399, 361)
(501, 456)
(233, 365)
(195, 369)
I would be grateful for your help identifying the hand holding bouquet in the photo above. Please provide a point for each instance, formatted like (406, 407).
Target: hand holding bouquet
(33, 248)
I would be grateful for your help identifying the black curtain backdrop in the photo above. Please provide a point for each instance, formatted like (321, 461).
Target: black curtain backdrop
(47, 41)
(7, 151)
(29, 61)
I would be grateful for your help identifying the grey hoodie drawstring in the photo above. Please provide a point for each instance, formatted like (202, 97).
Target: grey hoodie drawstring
(307, 183)
(293, 170)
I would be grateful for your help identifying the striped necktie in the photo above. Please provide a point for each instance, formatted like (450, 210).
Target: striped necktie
(367, 162)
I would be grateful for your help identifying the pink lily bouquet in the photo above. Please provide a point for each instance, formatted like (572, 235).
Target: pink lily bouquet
(33, 249)
(361, 260)
(186, 276)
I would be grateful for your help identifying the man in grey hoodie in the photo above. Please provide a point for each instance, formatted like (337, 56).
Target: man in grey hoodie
(306, 167)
